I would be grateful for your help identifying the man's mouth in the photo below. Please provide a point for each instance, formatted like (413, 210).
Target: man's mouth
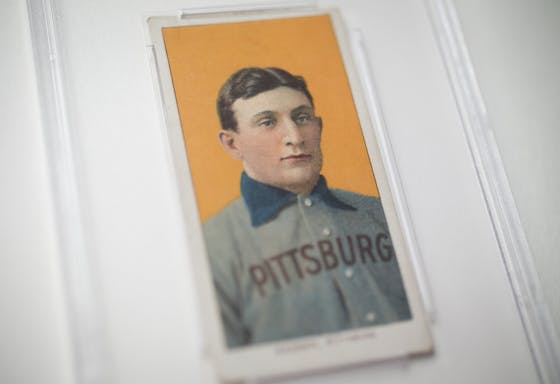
(301, 156)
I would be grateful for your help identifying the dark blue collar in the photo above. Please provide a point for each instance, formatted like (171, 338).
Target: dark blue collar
(265, 201)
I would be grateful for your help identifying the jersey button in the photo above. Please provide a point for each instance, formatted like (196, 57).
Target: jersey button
(326, 231)
(307, 202)
(349, 273)
(370, 317)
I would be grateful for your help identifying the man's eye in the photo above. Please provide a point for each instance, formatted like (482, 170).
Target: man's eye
(267, 122)
(303, 118)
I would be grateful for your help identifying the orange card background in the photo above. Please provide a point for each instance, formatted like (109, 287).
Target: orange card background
(201, 58)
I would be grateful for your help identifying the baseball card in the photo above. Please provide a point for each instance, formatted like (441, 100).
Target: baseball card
(292, 231)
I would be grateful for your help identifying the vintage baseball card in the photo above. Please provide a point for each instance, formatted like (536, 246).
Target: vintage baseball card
(300, 258)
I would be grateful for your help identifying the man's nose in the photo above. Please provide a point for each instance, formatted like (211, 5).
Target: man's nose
(292, 133)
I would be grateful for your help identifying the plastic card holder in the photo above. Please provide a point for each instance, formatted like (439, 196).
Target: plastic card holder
(91, 364)
(509, 232)
(304, 353)
(251, 325)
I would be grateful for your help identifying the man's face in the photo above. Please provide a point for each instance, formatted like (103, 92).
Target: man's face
(278, 139)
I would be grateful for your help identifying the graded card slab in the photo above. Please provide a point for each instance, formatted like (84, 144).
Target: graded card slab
(292, 230)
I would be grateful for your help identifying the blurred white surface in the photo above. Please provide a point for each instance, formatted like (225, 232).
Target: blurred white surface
(35, 343)
(514, 49)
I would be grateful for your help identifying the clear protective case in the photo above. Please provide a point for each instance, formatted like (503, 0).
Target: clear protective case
(88, 253)
(262, 277)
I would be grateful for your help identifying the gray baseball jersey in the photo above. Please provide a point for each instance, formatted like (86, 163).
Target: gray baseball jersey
(287, 265)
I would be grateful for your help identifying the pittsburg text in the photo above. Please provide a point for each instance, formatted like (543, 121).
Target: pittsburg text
(324, 255)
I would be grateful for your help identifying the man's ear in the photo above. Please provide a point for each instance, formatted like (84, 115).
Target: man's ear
(228, 139)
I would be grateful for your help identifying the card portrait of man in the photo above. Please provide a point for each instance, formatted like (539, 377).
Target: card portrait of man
(297, 239)
(291, 222)
(293, 257)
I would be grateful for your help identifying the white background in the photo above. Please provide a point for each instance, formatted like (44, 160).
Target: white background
(514, 49)
(135, 234)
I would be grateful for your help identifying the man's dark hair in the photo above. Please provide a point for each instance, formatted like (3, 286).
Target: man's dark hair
(249, 82)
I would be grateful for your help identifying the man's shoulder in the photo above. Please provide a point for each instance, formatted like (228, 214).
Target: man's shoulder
(357, 200)
(235, 213)
(224, 231)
